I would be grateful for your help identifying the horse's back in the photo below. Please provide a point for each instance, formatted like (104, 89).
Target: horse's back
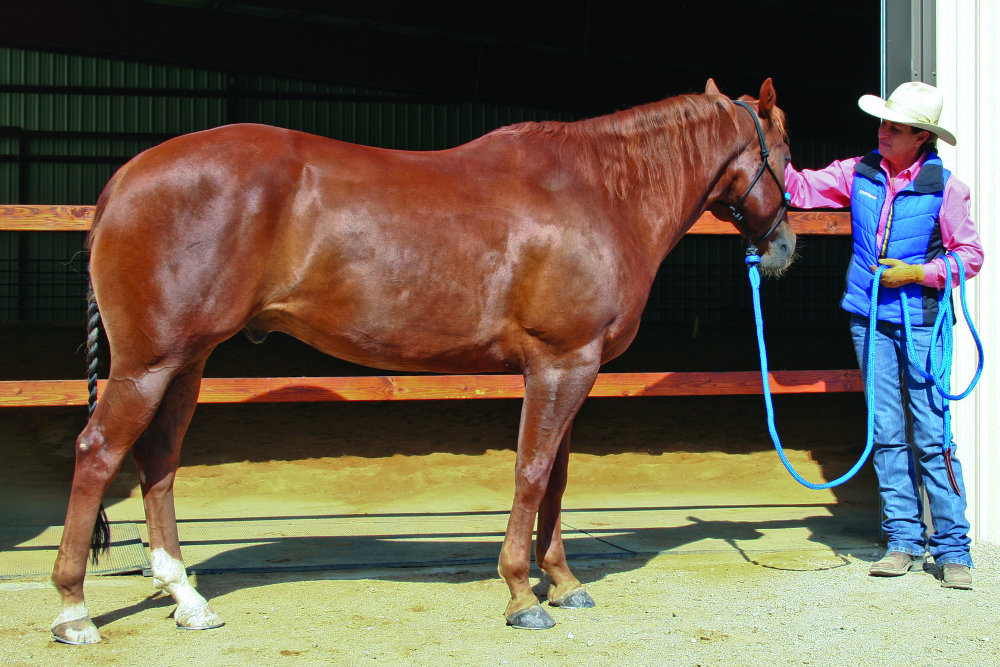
(354, 248)
(209, 178)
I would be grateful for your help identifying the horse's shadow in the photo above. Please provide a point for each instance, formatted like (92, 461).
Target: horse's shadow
(472, 557)
(153, 601)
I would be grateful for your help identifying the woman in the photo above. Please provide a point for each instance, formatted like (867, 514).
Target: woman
(907, 211)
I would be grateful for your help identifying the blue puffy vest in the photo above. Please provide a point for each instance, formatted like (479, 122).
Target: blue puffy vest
(912, 235)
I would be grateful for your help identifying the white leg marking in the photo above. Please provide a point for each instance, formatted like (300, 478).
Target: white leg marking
(73, 625)
(71, 612)
(193, 612)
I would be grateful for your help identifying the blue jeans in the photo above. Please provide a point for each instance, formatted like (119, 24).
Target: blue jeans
(895, 455)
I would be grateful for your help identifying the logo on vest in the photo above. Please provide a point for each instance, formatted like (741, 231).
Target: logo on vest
(868, 194)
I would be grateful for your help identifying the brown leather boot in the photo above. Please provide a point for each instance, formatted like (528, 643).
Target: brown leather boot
(893, 564)
(956, 575)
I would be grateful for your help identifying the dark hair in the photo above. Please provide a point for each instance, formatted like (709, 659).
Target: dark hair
(930, 144)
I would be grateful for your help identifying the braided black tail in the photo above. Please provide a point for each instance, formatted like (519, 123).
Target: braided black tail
(100, 541)
(93, 333)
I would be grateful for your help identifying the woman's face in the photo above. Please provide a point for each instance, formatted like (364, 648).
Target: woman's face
(900, 144)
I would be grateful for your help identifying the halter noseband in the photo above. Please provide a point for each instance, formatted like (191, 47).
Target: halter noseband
(765, 165)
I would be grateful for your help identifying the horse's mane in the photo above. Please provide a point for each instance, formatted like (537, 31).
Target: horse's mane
(648, 144)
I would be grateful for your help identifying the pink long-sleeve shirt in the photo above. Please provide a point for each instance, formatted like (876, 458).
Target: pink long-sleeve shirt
(831, 187)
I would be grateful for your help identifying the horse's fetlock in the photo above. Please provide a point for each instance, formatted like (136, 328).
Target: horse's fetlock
(511, 569)
(167, 570)
(170, 575)
(549, 564)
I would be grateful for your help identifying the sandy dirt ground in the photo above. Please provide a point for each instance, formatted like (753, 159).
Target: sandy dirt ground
(742, 588)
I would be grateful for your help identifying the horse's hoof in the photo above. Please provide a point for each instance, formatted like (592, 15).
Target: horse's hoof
(532, 618)
(199, 617)
(77, 632)
(575, 599)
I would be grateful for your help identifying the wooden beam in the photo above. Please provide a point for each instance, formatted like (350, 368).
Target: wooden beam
(803, 222)
(78, 219)
(34, 393)
(46, 218)
(27, 393)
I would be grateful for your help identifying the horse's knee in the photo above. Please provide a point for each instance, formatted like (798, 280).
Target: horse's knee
(88, 442)
(530, 489)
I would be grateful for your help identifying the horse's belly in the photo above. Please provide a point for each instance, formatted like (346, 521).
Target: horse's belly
(414, 348)
(416, 359)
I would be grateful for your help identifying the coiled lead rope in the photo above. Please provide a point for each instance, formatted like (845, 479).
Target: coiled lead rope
(939, 375)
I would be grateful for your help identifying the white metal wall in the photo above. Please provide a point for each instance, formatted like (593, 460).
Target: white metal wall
(968, 75)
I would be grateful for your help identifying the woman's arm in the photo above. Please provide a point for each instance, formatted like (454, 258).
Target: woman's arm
(959, 236)
(821, 188)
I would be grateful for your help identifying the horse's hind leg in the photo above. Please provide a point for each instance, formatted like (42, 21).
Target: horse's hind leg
(157, 454)
(550, 552)
(125, 409)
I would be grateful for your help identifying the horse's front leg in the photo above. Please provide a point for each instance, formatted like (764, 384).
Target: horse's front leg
(550, 552)
(553, 393)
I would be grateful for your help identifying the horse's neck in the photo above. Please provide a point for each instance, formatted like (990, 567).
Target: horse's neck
(666, 205)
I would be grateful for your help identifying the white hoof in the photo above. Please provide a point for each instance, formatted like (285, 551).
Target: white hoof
(197, 617)
(76, 631)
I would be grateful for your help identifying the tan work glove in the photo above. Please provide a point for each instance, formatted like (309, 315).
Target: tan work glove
(900, 273)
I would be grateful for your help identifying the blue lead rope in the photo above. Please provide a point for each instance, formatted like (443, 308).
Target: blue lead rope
(752, 261)
(940, 375)
(939, 372)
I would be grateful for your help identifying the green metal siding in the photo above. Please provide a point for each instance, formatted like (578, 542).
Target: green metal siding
(67, 122)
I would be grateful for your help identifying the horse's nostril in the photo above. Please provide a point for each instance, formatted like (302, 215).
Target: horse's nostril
(784, 248)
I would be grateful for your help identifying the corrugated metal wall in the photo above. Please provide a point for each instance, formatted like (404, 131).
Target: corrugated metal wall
(68, 121)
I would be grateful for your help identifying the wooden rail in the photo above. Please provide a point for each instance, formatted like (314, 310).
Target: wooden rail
(31, 393)
(78, 219)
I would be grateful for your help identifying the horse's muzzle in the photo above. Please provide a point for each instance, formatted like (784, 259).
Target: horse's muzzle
(780, 252)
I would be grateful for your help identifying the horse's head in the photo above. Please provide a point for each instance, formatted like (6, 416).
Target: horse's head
(752, 196)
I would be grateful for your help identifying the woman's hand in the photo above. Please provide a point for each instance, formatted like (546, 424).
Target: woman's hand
(900, 273)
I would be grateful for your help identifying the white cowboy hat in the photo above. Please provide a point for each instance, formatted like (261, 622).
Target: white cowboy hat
(913, 103)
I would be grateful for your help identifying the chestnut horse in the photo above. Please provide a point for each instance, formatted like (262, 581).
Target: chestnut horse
(531, 249)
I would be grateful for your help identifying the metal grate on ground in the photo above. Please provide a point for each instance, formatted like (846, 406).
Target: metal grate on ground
(32, 551)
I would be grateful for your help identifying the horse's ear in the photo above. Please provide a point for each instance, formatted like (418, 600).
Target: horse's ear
(711, 88)
(766, 98)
